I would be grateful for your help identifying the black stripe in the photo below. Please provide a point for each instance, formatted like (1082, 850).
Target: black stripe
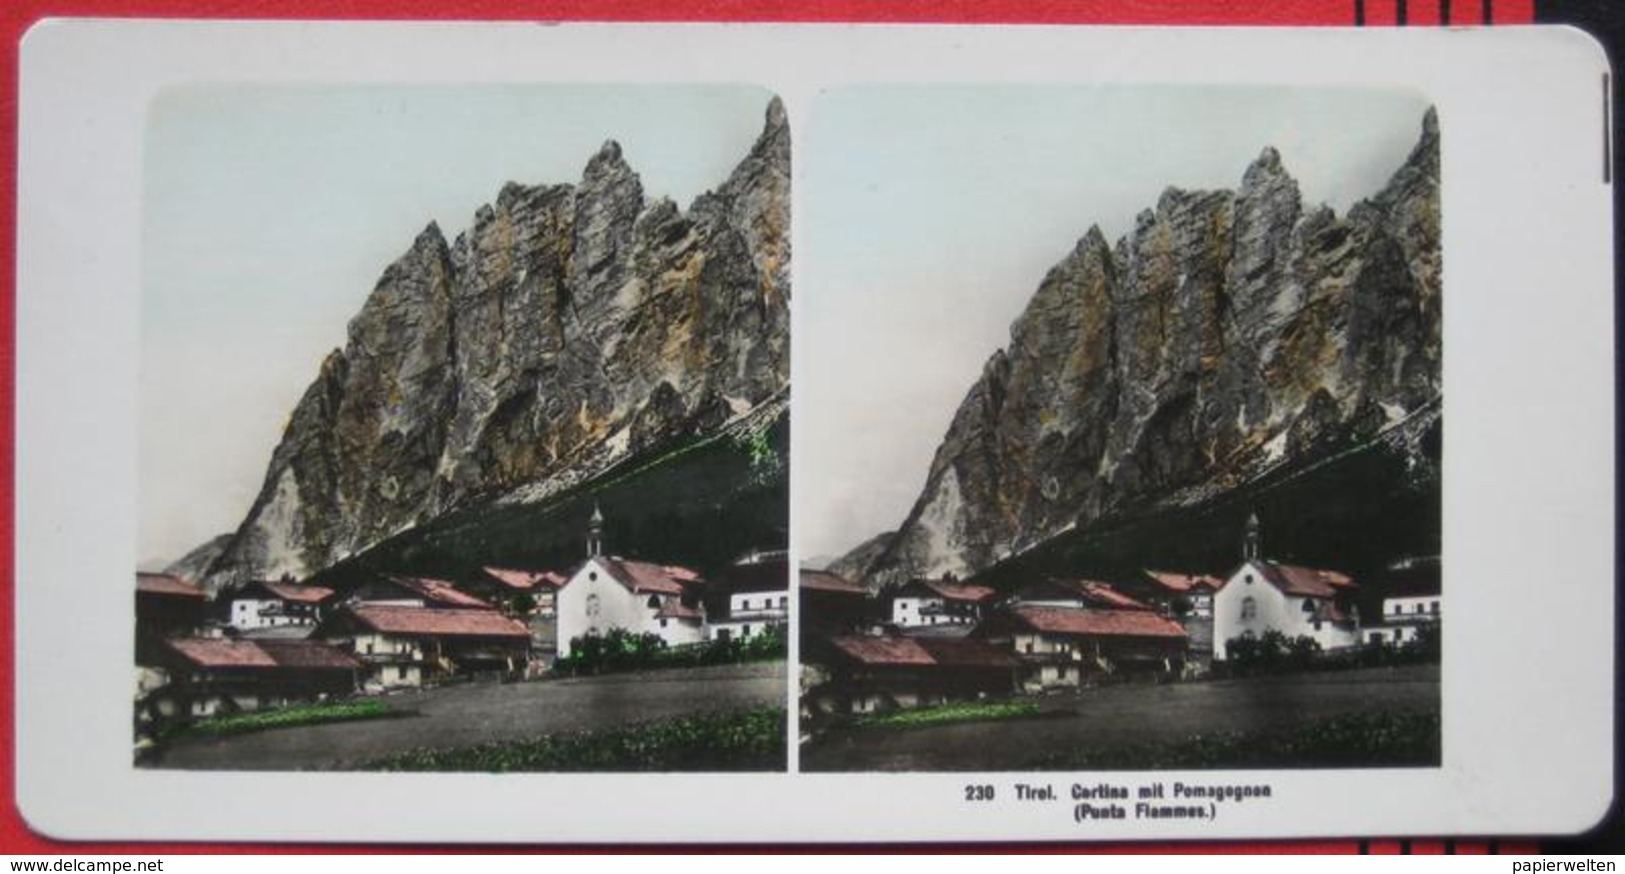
(1489, 11)
(1359, 13)
(1365, 848)
(1450, 848)
(1607, 132)
(1444, 11)
(1399, 12)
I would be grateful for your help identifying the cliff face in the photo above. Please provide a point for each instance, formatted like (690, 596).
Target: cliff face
(570, 328)
(1229, 335)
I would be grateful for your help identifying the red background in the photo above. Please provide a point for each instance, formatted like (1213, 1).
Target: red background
(15, 834)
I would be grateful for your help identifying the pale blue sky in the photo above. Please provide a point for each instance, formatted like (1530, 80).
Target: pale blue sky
(929, 214)
(271, 211)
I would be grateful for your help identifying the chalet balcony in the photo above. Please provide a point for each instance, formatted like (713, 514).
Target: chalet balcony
(759, 614)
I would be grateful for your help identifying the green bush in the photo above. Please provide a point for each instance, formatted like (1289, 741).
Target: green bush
(620, 650)
(969, 711)
(342, 711)
(741, 741)
(1270, 653)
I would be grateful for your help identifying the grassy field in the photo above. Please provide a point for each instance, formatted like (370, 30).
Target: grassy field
(949, 713)
(1360, 740)
(739, 741)
(286, 717)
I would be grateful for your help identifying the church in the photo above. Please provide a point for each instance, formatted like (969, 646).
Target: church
(1262, 595)
(608, 592)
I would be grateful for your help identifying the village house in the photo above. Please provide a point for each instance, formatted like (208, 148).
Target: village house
(939, 602)
(266, 605)
(406, 646)
(215, 676)
(1188, 600)
(1179, 595)
(749, 597)
(878, 673)
(531, 596)
(1262, 596)
(166, 606)
(1412, 602)
(831, 604)
(607, 592)
(1069, 646)
(508, 587)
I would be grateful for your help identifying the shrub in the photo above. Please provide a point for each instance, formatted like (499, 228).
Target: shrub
(620, 650)
(1271, 653)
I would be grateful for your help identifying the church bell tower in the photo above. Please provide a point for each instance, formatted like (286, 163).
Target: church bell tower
(595, 533)
(1249, 545)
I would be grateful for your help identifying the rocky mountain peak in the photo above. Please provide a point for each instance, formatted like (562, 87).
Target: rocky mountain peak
(607, 160)
(570, 329)
(1227, 335)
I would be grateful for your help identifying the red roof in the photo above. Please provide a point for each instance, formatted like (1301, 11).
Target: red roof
(1305, 582)
(824, 581)
(1331, 611)
(922, 651)
(294, 592)
(218, 652)
(526, 580)
(1184, 583)
(968, 652)
(642, 576)
(882, 650)
(1107, 596)
(1102, 595)
(1096, 623)
(675, 609)
(423, 622)
(951, 592)
(166, 584)
(307, 654)
(440, 592)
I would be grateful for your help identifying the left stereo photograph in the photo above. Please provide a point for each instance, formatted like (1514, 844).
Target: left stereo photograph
(463, 429)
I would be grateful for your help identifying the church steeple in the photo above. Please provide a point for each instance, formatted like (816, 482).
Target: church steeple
(1249, 546)
(595, 532)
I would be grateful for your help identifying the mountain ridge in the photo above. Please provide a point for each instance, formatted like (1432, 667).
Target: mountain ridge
(568, 328)
(1229, 333)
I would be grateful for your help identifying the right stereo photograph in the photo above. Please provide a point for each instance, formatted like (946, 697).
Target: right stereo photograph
(1119, 429)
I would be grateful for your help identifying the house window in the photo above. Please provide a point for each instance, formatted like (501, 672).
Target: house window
(662, 623)
(744, 630)
(654, 602)
(592, 604)
(1248, 579)
(1434, 608)
(1308, 605)
(1249, 609)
